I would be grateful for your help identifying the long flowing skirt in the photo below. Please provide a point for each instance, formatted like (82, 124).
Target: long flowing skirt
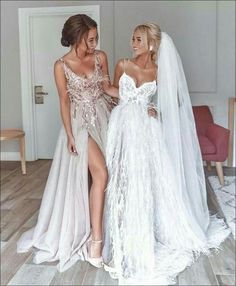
(63, 225)
(150, 234)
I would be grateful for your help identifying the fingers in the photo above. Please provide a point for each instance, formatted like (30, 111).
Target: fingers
(152, 113)
(72, 150)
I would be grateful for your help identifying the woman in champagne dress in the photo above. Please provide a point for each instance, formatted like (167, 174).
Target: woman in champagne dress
(69, 225)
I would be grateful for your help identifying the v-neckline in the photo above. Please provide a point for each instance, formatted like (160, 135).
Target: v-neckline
(79, 76)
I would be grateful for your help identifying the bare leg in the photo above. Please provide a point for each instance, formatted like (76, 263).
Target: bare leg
(97, 167)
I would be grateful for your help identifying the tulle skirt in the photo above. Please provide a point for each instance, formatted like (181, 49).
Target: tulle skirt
(150, 234)
(63, 225)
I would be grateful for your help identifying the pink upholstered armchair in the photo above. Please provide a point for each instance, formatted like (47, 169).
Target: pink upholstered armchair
(213, 139)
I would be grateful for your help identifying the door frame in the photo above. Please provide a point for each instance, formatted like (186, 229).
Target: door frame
(25, 16)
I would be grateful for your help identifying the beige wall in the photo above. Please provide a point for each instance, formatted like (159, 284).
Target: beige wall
(203, 32)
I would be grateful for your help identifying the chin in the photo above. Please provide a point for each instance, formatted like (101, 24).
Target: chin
(138, 53)
(91, 51)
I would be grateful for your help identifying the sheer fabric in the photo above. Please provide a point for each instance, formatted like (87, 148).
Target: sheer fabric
(63, 225)
(156, 217)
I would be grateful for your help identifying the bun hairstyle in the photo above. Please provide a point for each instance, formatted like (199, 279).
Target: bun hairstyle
(76, 28)
(153, 33)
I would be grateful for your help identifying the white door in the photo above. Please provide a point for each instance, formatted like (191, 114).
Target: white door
(46, 49)
(43, 26)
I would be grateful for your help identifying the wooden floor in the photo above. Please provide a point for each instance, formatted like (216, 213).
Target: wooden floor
(20, 201)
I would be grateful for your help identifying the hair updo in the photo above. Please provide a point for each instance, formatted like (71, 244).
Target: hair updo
(76, 28)
(153, 33)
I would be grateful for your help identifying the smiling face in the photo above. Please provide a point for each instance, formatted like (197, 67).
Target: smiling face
(88, 43)
(146, 39)
(139, 43)
(92, 40)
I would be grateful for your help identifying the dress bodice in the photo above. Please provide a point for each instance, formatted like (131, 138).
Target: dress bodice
(84, 88)
(85, 91)
(130, 93)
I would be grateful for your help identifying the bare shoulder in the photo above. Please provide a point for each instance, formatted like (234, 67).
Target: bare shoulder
(58, 64)
(63, 59)
(60, 60)
(102, 55)
(120, 63)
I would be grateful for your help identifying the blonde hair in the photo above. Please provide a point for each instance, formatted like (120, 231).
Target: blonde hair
(153, 33)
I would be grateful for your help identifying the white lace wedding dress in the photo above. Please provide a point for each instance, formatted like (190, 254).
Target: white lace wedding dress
(150, 234)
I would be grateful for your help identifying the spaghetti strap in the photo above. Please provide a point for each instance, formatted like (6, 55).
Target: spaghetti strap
(64, 66)
(61, 59)
(97, 60)
(124, 65)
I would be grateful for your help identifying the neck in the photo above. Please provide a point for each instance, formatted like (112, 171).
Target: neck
(78, 53)
(143, 60)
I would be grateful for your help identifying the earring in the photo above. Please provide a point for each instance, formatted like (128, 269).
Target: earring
(150, 48)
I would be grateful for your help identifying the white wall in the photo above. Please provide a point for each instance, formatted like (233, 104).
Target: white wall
(203, 32)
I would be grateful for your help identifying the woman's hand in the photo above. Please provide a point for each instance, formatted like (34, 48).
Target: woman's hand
(71, 145)
(152, 112)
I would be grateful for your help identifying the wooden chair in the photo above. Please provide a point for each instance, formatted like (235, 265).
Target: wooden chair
(10, 134)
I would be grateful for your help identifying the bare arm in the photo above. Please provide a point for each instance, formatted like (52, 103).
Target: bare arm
(106, 84)
(60, 80)
(119, 69)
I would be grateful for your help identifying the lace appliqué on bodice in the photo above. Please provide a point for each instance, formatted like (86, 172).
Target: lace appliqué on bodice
(85, 92)
(130, 93)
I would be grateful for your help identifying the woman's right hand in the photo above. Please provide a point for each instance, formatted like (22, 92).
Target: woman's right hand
(71, 145)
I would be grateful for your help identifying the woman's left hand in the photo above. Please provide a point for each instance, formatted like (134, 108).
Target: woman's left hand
(152, 112)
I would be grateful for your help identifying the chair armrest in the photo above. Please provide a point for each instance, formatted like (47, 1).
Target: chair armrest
(219, 136)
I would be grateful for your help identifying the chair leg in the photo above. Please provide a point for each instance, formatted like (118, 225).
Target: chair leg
(219, 171)
(208, 165)
(22, 155)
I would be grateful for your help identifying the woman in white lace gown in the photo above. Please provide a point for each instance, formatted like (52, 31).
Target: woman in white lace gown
(69, 225)
(156, 215)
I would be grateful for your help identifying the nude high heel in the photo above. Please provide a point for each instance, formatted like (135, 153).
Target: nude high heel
(95, 261)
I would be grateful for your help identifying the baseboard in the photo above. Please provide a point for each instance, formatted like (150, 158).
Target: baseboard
(10, 156)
